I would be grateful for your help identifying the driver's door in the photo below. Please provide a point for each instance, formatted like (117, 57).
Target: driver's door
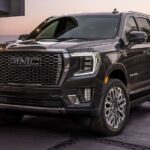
(135, 59)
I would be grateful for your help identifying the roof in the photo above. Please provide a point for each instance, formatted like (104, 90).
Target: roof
(103, 14)
(108, 13)
(94, 14)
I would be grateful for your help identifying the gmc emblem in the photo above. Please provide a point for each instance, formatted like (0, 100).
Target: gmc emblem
(25, 61)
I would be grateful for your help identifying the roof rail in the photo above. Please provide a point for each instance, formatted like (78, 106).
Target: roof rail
(137, 13)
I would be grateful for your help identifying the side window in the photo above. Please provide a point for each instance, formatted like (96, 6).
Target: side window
(144, 26)
(130, 26)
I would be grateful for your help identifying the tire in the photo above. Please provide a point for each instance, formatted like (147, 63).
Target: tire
(114, 112)
(10, 118)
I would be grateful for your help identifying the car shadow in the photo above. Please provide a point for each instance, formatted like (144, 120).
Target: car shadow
(65, 125)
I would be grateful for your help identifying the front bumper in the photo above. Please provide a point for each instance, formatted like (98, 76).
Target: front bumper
(38, 100)
(52, 99)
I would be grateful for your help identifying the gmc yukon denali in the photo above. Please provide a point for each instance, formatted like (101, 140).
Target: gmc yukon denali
(93, 66)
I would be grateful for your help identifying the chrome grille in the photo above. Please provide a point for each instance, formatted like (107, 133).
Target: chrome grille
(16, 68)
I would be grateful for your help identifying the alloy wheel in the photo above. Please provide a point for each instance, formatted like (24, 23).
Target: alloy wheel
(115, 107)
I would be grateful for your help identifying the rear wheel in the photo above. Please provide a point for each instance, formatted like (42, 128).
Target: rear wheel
(114, 109)
(10, 118)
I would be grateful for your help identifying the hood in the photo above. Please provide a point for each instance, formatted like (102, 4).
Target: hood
(70, 45)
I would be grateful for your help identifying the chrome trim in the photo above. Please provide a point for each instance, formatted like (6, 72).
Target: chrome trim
(35, 50)
(140, 90)
(27, 61)
(25, 84)
(96, 61)
(32, 108)
(66, 64)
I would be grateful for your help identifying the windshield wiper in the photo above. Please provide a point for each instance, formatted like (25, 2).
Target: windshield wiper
(65, 39)
(45, 39)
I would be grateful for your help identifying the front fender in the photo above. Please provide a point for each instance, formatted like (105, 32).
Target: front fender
(120, 67)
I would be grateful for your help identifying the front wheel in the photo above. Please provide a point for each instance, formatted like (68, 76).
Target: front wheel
(114, 109)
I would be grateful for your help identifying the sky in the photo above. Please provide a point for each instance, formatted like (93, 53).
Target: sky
(38, 10)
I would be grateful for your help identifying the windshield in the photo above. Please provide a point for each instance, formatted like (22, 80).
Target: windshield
(39, 29)
(82, 27)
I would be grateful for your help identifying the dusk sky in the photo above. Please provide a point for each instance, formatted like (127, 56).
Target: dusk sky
(38, 10)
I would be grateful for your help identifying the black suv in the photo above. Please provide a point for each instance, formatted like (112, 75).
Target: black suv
(85, 65)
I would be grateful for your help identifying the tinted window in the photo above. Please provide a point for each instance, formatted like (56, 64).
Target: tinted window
(130, 26)
(50, 30)
(82, 27)
(144, 26)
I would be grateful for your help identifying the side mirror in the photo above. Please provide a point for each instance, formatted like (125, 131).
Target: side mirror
(23, 37)
(138, 37)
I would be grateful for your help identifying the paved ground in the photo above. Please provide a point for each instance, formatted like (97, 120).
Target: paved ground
(38, 133)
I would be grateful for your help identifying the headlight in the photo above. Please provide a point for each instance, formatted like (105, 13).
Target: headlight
(89, 62)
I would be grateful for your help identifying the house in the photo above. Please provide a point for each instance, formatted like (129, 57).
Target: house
(12, 8)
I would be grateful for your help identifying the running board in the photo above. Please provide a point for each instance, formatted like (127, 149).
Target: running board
(139, 100)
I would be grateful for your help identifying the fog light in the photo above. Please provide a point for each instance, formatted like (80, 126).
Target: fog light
(88, 94)
(73, 99)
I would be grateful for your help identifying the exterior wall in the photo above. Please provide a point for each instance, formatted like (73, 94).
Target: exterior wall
(12, 8)
(4, 6)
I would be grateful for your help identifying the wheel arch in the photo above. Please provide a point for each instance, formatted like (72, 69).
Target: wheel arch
(118, 71)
